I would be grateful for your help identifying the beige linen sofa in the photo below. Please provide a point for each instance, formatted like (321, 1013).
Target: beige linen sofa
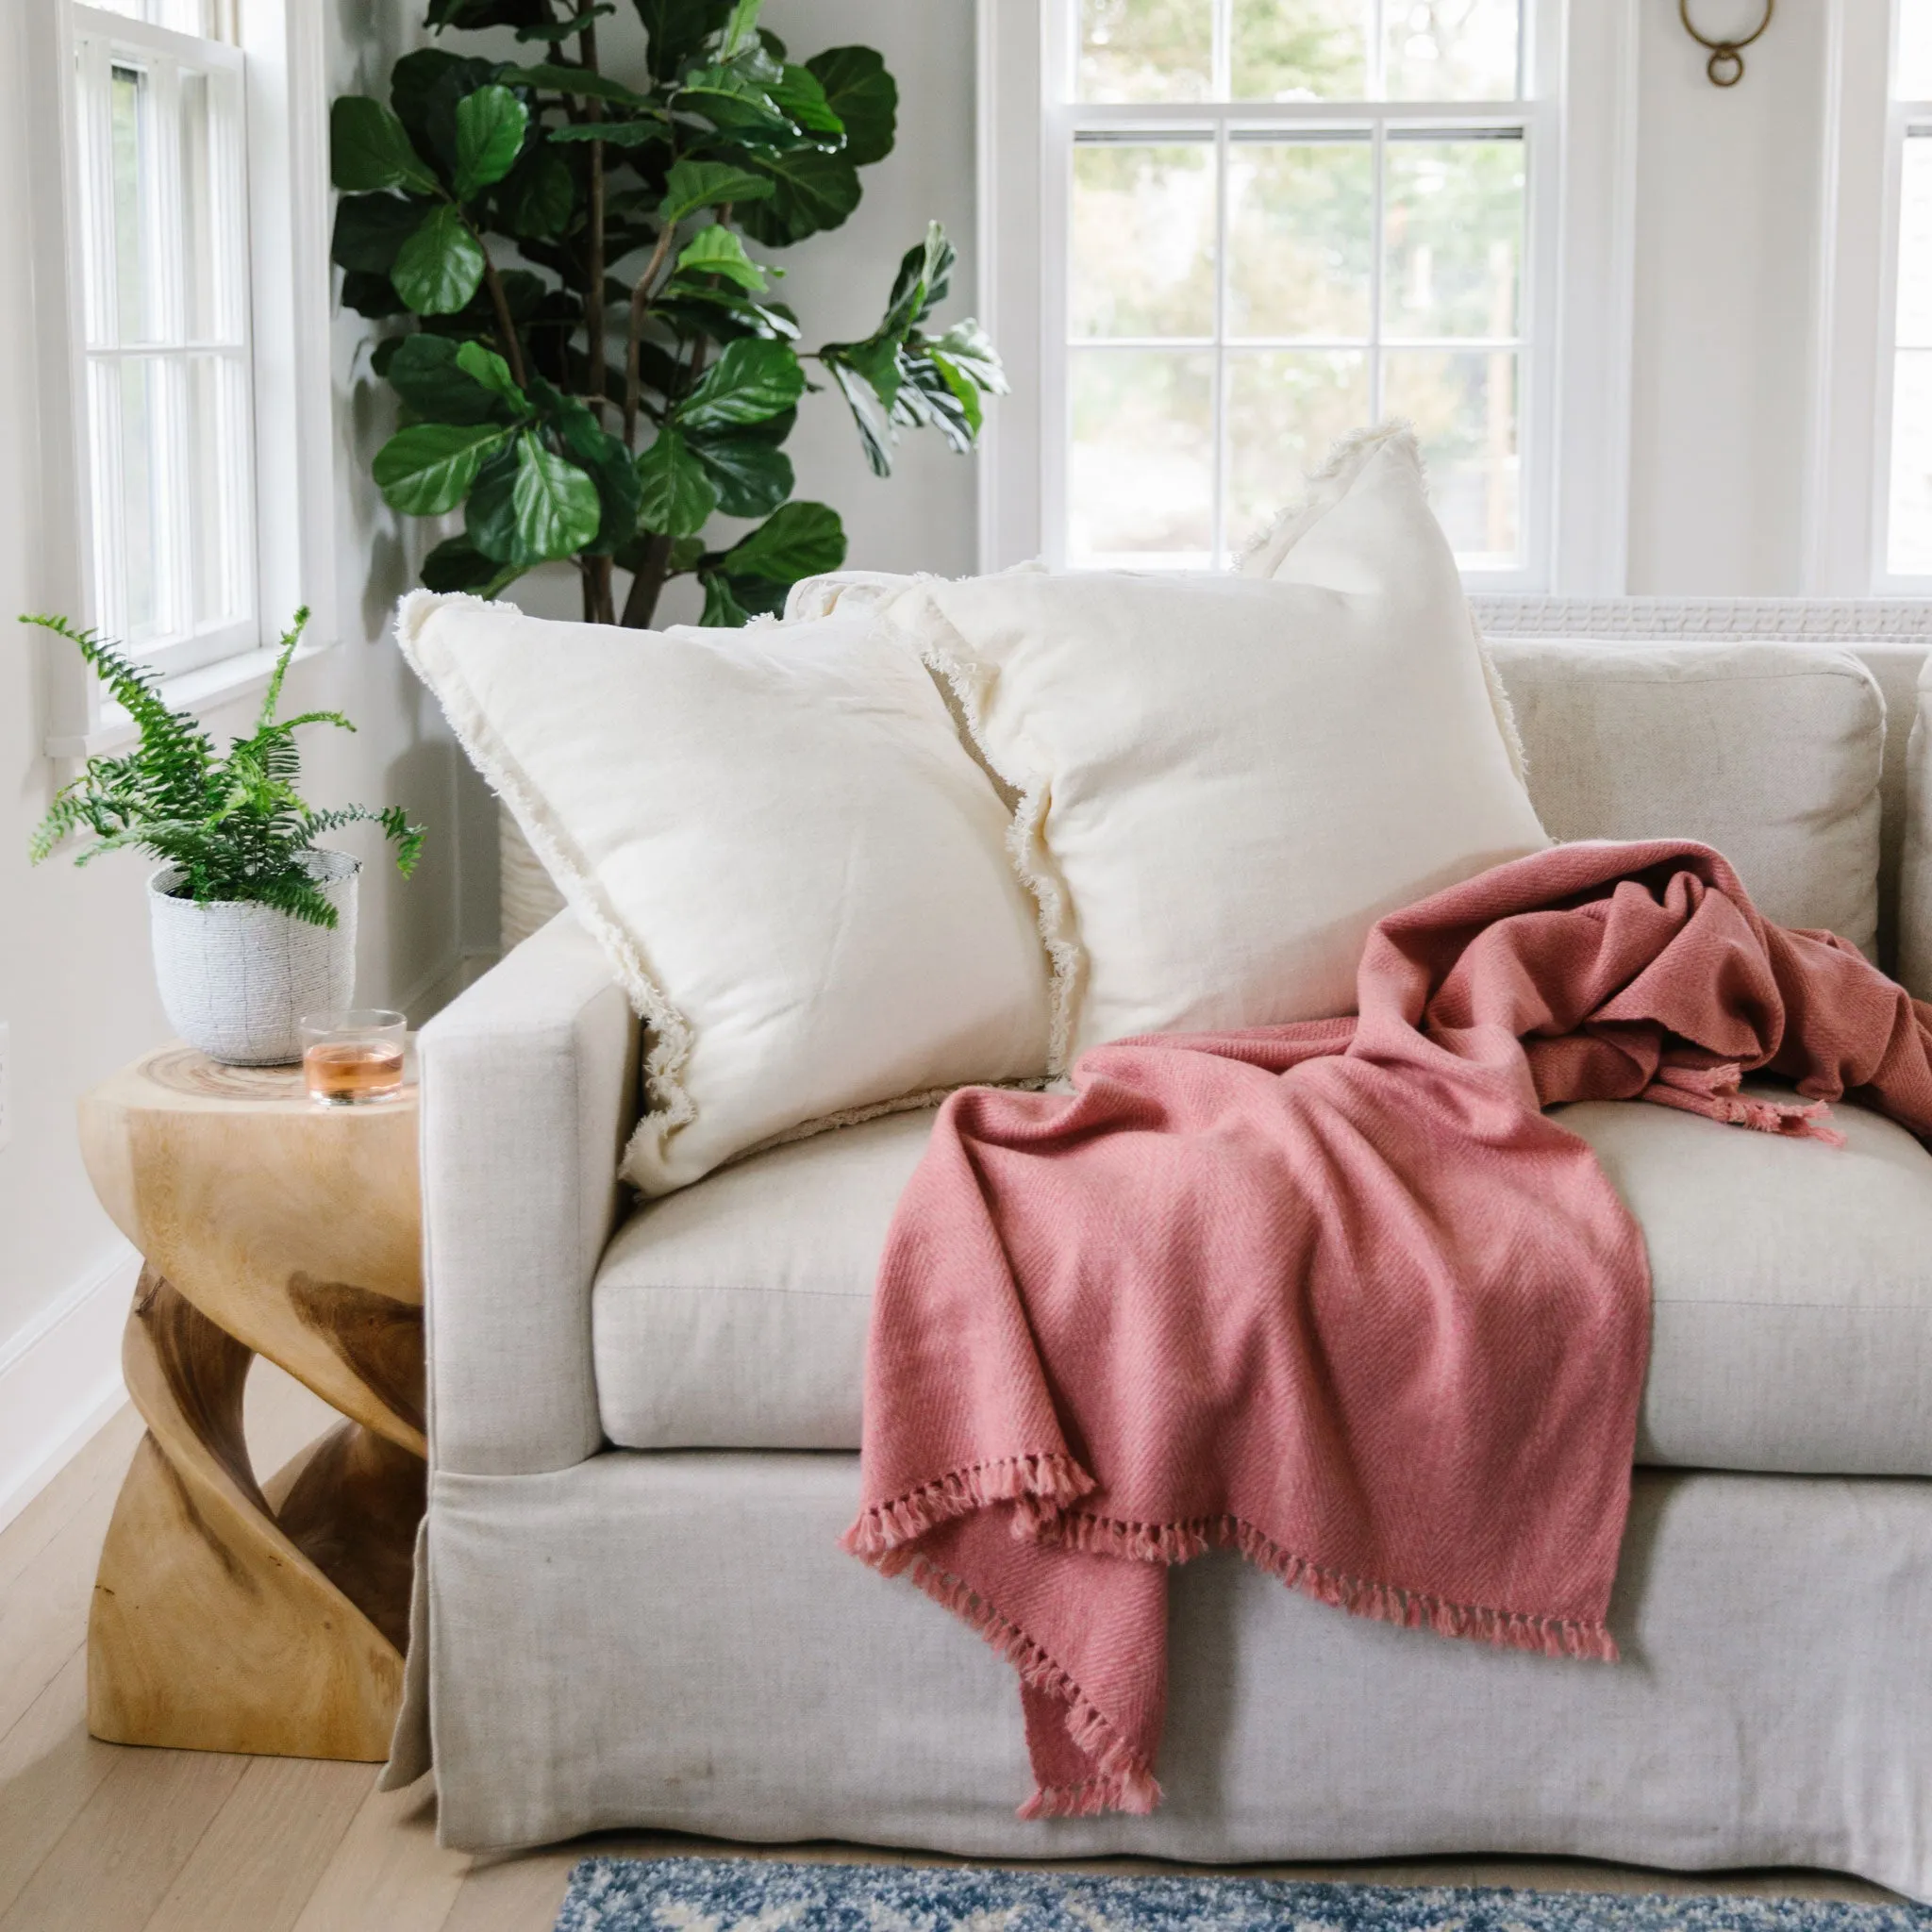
(633, 1609)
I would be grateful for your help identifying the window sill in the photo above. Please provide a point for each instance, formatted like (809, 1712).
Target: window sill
(195, 692)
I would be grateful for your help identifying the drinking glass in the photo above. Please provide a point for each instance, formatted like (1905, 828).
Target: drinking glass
(354, 1058)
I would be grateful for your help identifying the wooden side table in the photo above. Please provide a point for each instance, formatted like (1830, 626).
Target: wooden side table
(230, 1614)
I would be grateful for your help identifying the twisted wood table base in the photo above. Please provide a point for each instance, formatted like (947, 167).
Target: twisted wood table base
(229, 1614)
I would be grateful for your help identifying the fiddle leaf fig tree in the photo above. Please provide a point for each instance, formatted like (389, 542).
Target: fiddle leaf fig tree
(595, 362)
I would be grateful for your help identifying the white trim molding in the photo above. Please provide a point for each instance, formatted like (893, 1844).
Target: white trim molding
(60, 1379)
(1709, 619)
(1849, 435)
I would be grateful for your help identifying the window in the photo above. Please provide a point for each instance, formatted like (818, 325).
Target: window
(163, 179)
(1268, 223)
(180, 218)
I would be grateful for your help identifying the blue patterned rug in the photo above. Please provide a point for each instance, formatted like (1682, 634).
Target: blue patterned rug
(762, 1895)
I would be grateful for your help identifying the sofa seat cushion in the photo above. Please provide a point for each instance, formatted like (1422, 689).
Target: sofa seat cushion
(1792, 1284)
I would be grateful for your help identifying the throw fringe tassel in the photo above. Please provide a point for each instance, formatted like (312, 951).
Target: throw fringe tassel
(1123, 1780)
(1385, 1602)
(1039, 1487)
(1714, 1093)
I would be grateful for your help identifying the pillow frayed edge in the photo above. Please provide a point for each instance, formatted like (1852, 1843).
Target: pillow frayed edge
(671, 1042)
(1327, 486)
(1347, 457)
(962, 674)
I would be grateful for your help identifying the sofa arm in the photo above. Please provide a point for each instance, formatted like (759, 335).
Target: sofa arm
(1915, 858)
(529, 1087)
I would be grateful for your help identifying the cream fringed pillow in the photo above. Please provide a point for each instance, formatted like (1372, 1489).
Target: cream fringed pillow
(797, 869)
(1224, 781)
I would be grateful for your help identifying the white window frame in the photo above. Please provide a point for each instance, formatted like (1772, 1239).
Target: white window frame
(103, 44)
(283, 70)
(1578, 116)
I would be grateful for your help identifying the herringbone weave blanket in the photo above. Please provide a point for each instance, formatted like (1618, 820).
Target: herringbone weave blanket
(1339, 1295)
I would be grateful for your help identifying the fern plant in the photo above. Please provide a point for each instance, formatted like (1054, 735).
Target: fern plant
(235, 827)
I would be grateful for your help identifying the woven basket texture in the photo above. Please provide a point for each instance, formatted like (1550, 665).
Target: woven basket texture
(236, 979)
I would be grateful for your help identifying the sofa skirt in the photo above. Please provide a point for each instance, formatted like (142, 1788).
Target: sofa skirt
(674, 1640)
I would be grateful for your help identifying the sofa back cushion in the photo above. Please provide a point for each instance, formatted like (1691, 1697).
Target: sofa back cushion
(1772, 753)
(798, 874)
(1224, 781)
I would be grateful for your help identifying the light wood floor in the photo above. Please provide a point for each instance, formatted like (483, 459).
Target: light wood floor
(96, 1838)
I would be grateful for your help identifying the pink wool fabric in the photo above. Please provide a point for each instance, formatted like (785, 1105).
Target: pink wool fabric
(1338, 1296)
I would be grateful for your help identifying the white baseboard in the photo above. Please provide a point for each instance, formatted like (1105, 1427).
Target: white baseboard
(60, 1379)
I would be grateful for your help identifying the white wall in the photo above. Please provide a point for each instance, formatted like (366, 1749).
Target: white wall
(75, 979)
(1728, 212)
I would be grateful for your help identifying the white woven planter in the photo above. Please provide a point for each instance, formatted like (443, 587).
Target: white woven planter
(235, 978)
(527, 896)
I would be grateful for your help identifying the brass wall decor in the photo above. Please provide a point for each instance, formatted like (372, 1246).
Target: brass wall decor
(1725, 66)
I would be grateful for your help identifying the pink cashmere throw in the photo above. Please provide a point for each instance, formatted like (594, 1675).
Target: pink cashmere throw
(1337, 1296)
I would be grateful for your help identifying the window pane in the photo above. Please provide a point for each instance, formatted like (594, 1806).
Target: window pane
(1298, 50)
(1143, 239)
(1140, 486)
(140, 483)
(1453, 237)
(1286, 407)
(216, 510)
(130, 107)
(1463, 405)
(1914, 319)
(1451, 50)
(1908, 530)
(1912, 80)
(200, 289)
(1299, 220)
(1146, 50)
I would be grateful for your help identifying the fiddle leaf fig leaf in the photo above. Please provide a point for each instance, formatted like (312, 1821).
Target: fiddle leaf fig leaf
(563, 29)
(490, 125)
(801, 97)
(693, 185)
(489, 371)
(529, 506)
(457, 564)
(678, 28)
(722, 611)
(810, 190)
(581, 81)
(753, 379)
(717, 251)
(926, 273)
(968, 349)
(539, 196)
(440, 268)
(800, 539)
(369, 230)
(865, 98)
(741, 25)
(751, 476)
(678, 496)
(611, 133)
(425, 372)
(370, 149)
(735, 106)
(426, 469)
